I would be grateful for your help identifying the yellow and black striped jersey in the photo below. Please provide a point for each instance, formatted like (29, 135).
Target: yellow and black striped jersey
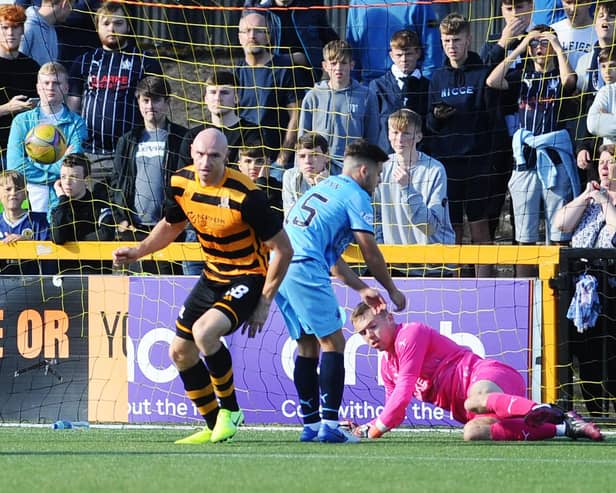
(232, 220)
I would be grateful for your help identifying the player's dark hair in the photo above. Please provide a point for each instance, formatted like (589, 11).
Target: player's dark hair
(362, 150)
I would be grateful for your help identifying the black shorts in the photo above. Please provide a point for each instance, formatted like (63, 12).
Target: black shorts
(468, 189)
(236, 300)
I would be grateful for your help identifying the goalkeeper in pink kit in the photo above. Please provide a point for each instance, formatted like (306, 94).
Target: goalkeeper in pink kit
(486, 395)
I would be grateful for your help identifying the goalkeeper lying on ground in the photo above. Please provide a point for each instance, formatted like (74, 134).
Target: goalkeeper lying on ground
(486, 395)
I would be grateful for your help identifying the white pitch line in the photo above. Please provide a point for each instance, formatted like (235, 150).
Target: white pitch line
(405, 459)
(126, 426)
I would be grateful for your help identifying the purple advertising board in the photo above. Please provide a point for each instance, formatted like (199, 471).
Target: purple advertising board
(490, 316)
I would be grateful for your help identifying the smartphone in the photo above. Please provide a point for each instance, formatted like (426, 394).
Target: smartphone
(441, 103)
(34, 101)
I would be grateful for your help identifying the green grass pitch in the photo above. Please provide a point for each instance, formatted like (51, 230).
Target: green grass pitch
(264, 460)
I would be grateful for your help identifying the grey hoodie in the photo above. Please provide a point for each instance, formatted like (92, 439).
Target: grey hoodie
(341, 117)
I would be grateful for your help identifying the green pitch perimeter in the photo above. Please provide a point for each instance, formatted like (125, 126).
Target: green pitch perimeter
(265, 460)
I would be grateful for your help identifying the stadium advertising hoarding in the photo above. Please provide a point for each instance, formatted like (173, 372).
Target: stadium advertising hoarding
(43, 348)
(98, 346)
(490, 316)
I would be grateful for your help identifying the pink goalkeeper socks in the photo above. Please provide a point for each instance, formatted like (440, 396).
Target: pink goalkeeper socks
(514, 429)
(507, 406)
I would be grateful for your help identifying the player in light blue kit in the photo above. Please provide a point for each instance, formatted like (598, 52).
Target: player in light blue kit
(321, 225)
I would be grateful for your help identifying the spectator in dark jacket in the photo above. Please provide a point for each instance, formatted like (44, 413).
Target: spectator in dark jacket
(402, 86)
(79, 215)
(221, 101)
(464, 118)
(517, 16)
(144, 161)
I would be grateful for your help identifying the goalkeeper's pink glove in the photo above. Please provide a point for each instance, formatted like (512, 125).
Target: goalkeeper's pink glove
(370, 430)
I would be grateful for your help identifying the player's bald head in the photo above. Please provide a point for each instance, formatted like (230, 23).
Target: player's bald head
(211, 137)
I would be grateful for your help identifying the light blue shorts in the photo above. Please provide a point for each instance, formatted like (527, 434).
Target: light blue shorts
(307, 301)
(527, 196)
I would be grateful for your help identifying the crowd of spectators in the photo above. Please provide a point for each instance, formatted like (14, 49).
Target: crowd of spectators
(523, 116)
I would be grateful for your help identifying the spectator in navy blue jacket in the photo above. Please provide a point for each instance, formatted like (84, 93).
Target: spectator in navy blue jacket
(403, 86)
(267, 86)
(463, 115)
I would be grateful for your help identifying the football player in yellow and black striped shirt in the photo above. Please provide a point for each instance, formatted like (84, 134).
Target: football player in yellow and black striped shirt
(237, 230)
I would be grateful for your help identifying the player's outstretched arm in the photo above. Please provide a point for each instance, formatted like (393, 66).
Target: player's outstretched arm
(162, 234)
(369, 295)
(376, 263)
(282, 252)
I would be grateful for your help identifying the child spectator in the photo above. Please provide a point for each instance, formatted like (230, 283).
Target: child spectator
(411, 200)
(602, 112)
(144, 161)
(544, 173)
(517, 15)
(40, 41)
(311, 167)
(102, 87)
(17, 223)
(221, 100)
(17, 73)
(467, 128)
(52, 86)
(79, 215)
(402, 86)
(254, 163)
(340, 108)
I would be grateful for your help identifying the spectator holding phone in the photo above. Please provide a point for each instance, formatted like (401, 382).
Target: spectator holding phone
(466, 125)
(17, 72)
